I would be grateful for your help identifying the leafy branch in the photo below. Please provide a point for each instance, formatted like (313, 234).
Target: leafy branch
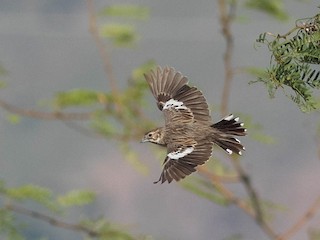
(14, 197)
(294, 62)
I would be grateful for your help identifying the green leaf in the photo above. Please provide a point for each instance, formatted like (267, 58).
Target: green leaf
(121, 35)
(203, 189)
(76, 97)
(293, 65)
(103, 125)
(36, 193)
(219, 168)
(76, 198)
(3, 84)
(127, 11)
(13, 118)
(263, 138)
(255, 130)
(256, 72)
(8, 226)
(107, 230)
(138, 73)
(272, 7)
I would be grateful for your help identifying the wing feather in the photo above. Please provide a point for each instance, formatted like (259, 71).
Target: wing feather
(166, 84)
(177, 169)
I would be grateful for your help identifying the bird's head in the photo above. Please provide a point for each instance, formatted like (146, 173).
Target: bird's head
(154, 136)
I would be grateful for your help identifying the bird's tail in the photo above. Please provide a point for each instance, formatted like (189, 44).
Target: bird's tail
(227, 128)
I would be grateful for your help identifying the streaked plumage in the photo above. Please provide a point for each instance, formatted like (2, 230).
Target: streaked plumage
(188, 133)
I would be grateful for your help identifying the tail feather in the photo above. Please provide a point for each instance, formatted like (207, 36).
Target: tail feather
(230, 145)
(227, 128)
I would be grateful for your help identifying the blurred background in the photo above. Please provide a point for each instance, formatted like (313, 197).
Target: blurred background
(46, 48)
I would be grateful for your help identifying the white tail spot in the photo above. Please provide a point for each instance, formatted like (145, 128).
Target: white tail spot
(228, 151)
(228, 118)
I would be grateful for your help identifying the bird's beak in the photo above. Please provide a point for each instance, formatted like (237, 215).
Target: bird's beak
(143, 140)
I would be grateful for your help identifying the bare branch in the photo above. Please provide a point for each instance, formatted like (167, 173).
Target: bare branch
(52, 221)
(226, 18)
(225, 21)
(237, 201)
(302, 221)
(225, 179)
(45, 115)
(93, 29)
(245, 179)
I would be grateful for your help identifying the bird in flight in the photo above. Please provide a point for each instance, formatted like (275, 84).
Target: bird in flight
(188, 132)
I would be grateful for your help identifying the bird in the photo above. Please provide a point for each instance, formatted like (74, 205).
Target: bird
(188, 132)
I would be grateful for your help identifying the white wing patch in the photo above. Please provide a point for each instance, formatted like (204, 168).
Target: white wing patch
(180, 154)
(174, 104)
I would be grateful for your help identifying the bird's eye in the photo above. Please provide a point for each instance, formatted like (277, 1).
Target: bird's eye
(150, 135)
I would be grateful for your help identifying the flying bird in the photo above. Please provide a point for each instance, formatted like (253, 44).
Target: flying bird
(188, 132)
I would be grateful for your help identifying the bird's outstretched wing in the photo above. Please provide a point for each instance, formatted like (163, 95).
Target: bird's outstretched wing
(177, 100)
(181, 161)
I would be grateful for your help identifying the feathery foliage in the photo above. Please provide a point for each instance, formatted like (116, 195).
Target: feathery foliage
(295, 59)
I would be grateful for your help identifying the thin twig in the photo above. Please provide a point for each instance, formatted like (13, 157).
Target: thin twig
(237, 201)
(302, 221)
(52, 221)
(45, 115)
(245, 179)
(225, 21)
(225, 192)
(93, 29)
(220, 178)
(226, 18)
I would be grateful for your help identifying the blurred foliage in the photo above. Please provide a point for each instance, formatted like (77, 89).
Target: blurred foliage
(45, 197)
(107, 230)
(255, 130)
(204, 189)
(3, 72)
(219, 167)
(2, 84)
(132, 158)
(76, 198)
(13, 118)
(11, 229)
(76, 98)
(40, 195)
(123, 33)
(270, 209)
(270, 7)
(126, 11)
(314, 234)
(115, 115)
(294, 62)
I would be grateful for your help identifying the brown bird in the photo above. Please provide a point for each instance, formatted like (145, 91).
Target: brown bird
(188, 133)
